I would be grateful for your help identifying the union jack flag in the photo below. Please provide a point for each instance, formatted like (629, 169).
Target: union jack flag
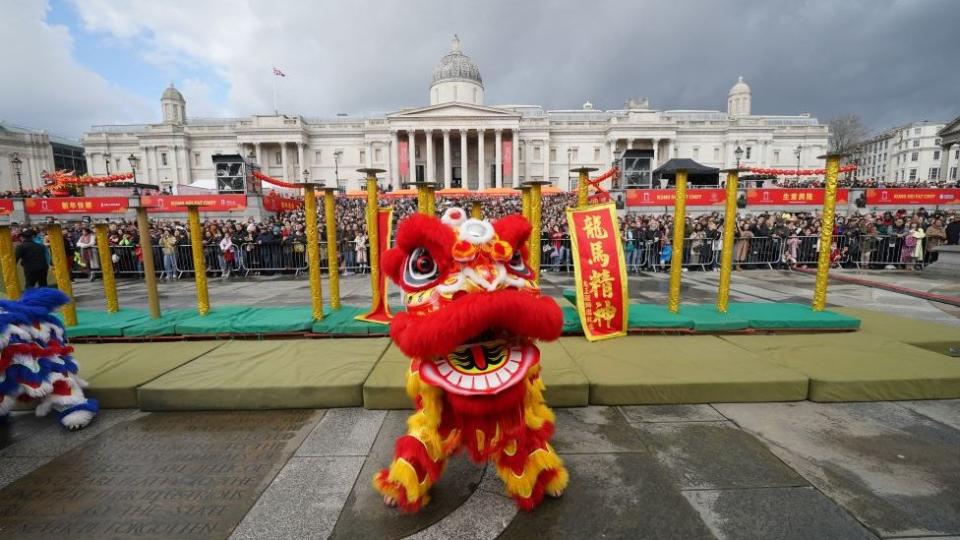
(278, 73)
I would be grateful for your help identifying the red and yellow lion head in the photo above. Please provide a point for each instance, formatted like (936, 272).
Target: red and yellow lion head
(473, 304)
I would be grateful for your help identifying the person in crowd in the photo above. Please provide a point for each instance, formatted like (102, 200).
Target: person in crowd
(228, 255)
(936, 236)
(87, 244)
(33, 258)
(168, 247)
(953, 231)
(360, 242)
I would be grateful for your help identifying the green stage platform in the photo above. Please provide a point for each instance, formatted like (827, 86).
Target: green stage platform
(924, 334)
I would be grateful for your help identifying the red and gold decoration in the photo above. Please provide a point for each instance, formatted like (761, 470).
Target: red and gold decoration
(77, 205)
(276, 181)
(206, 203)
(380, 311)
(274, 202)
(895, 196)
(601, 272)
(667, 197)
(791, 196)
(59, 180)
(474, 313)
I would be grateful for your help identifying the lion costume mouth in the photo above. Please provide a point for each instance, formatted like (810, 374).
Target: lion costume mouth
(481, 368)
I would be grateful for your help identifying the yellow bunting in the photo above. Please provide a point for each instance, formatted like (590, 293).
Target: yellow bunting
(8, 264)
(149, 268)
(199, 263)
(676, 261)
(333, 266)
(62, 270)
(106, 266)
(313, 252)
(826, 232)
(726, 252)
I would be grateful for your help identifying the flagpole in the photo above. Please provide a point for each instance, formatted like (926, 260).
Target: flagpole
(276, 111)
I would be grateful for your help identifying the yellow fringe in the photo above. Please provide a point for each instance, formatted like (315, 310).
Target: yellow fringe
(403, 473)
(537, 462)
(559, 482)
(535, 410)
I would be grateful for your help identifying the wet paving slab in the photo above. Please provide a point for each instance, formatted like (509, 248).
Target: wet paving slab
(172, 475)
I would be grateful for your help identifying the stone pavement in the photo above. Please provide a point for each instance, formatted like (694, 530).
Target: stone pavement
(728, 471)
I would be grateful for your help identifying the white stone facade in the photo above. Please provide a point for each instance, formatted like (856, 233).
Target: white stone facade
(457, 140)
(35, 153)
(909, 153)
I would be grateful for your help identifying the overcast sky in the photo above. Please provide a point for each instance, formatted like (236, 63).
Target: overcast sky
(70, 64)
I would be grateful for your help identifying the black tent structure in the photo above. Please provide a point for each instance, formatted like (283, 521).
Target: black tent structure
(697, 174)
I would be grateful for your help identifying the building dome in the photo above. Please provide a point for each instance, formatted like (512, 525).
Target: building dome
(739, 99)
(172, 93)
(456, 78)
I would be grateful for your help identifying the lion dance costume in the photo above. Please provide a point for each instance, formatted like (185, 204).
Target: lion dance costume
(37, 364)
(473, 313)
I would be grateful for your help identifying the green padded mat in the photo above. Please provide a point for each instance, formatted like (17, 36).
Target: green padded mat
(657, 316)
(566, 384)
(636, 370)
(93, 323)
(859, 366)
(271, 374)
(165, 325)
(343, 322)
(926, 334)
(217, 321)
(571, 320)
(786, 316)
(115, 371)
(273, 320)
(706, 318)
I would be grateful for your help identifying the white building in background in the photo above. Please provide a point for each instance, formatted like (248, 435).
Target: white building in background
(37, 151)
(457, 140)
(909, 153)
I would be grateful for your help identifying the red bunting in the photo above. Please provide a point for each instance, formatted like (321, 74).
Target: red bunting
(797, 172)
(271, 180)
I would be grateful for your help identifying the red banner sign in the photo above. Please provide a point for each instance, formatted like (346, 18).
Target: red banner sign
(274, 202)
(380, 313)
(666, 197)
(894, 196)
(6, 207)
(77, 205)
(791, 196)
(207, 203)
(601, 275)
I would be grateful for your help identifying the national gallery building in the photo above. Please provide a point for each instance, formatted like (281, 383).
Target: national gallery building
(459, 141)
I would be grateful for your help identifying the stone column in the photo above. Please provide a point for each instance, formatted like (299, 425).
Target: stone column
(176, 164)
(498, 157)
(481, 177)
(945, 161)
(546, 158)
(411, 156)
(656, 155)
(431, 166)
(394, 159)
(369, 160)
(514, 159)
(283, 161)
(260, 161)
(447, 172)
(464, 173)
(300, 163)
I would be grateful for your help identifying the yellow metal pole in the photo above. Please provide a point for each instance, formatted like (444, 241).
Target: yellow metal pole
(149, 268)
(679, 222)
(826, 231)
(373, 234)
(432, 200)
(536, 226)
(313, 251)
(726, 252)
(583, 193)
(423, 199)
(333, 265)
(62, 271)
(525, 202)
(199, 263)
(8, 263)
(106, 266)
(476, 209)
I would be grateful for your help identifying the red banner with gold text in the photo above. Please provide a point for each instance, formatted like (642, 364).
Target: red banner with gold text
(207, 203)
(77, 205)
(666, 197)
(274, 202)
(894, 196)
(791, 196)
(6, 207)
(380, 313)
(601, 275)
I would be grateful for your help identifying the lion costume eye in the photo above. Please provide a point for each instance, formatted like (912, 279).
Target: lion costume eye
(518, 266)
(420, 269)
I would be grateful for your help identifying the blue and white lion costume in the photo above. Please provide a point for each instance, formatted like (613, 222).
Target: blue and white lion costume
(36, 364)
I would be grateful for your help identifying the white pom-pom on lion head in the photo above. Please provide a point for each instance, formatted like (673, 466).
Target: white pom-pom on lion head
(454, 217)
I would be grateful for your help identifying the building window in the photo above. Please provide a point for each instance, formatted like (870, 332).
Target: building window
(318, 157)
(163, 160)
(363, 156)
(536, 153)
(196, 159)
(596, 154)
(749, 151)
(953, 173)
(574, 153)
(776, 156)
(916, 143)
(377, 155)
(913, 174)
(956, 155)
(696, 152)
(553, 154)
(934, 173)
(277, 158)
(716, 153)
(937, 141)
(936, 155)
(520, 152)
(915, 156)
(916, 131)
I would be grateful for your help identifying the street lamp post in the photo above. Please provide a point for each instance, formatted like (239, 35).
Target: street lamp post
(336, 165)
(797, 153)
(17, 169)
(739, 154)
(306, 176)
(569, 154)
(106, 161)
(134, 161)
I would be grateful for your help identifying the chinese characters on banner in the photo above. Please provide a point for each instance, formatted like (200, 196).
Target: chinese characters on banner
(601, 275)
(77, 205)
(934, 197)
(790, 196)
(381, 312)
(6, 207)
(274, 202)
(666, 197)
(207, 203)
